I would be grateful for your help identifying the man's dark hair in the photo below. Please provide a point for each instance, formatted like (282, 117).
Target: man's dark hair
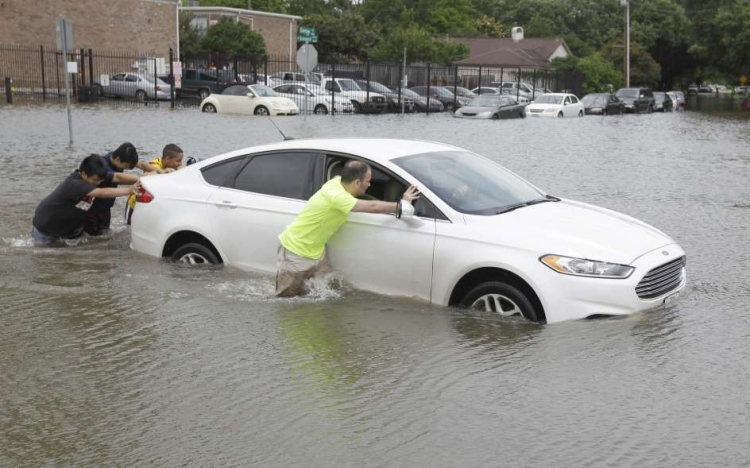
(93, 165)
(171, 151)
(354, 170)
(126, 153)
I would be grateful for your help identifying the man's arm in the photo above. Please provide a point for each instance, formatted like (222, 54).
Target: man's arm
(114, 192)
(373, 206)
(146, 167)
(123, 178)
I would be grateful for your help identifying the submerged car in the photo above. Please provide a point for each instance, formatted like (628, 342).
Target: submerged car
(637, 99)
(602, 104)
(313, 98)
(421, 104)
(662, 102)
(133, 85)
(479, 235)
(556, 105)
(492, 107)
(254, 99)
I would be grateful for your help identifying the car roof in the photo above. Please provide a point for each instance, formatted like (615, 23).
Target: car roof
(379, 150)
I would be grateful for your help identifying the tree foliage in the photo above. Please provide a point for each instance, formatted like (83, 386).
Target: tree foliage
(233, 39)
(420, 46)
(343, 37)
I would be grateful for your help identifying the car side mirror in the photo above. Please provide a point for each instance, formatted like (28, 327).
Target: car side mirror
(250, 95)
(404, 209)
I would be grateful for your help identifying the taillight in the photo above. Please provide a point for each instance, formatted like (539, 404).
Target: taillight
(158, 88)
(144, 196)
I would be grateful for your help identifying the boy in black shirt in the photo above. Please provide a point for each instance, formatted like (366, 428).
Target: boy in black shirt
(60, 216)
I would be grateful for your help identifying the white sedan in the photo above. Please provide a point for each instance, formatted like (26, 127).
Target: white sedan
(313, 98)
(479, 235)
(556, 105)
(256, 99)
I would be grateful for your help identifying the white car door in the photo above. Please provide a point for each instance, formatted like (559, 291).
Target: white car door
(234, 100)
(381, 253)
(256, 200)
(568, 108)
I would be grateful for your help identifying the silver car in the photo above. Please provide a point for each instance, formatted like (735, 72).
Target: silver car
(134, 85)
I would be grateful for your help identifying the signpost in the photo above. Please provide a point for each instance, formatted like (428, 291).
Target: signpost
(307, 35)
(65, 43)
(307, 56)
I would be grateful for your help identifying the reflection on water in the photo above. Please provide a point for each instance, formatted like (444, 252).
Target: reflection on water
(112, 358)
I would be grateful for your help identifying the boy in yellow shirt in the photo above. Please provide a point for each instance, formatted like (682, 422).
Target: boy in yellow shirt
(170, 161)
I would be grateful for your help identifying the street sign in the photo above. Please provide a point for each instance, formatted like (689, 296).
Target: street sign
(307, 35)
(307, 58)
(64, 31)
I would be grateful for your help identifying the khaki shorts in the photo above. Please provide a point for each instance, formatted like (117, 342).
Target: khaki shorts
(292, 271)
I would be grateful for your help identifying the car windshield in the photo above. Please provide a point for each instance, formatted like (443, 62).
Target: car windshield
(409, 93)
(464, 92)
(469, 183)
(549, 99)
(627, 93)
(442, 92)
(594, 100)
(377, 87)
(262, 90)
(660, 96)
(349, 85)
(486, 101)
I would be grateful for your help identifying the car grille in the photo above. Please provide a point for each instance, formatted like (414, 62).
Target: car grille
(535, 111)
(662, 279)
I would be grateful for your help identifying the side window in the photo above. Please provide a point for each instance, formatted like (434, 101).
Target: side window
(284, 89)
(329, 85)
(287, 175)
(574, 99)
(131, 79)
(189, 74)
(222, 174)
(207, 77)
(120, 77)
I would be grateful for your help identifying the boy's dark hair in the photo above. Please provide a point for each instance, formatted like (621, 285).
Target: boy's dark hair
(171, 151)
(354, 170)
(126, 153)
(93, 165)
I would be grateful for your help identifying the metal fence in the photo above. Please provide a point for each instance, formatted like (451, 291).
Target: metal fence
(37, 74)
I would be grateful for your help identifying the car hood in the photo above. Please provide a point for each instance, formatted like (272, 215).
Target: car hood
(544, 106)
(477, 109)
(572, 229)
(280, 101)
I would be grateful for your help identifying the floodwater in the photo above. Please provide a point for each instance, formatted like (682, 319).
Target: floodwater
(112, 358)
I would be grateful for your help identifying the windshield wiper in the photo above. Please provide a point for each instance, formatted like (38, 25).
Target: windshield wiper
(547, 198)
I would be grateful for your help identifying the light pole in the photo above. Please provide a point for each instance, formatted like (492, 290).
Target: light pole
(626, 4)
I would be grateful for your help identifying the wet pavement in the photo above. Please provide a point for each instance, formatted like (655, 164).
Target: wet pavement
(112, 358)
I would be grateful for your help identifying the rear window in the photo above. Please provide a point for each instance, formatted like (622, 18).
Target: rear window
(222, 174)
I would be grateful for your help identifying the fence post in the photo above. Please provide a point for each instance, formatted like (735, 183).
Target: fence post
(518, 84)
(82, 72)
(533, 85)
(8, 93)
(333, 93)
(455, 87)
(480, 80)
(44, 86)
(367, 96)
(171, 78)
(57, 72)
(236, 71)
(265, 70)
(400, 83)
(428, 88)
(91, 68)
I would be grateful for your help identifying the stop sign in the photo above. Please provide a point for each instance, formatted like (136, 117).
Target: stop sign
(307, 58)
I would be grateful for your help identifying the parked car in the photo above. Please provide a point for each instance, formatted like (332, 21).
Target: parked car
(518, 97)
(312, 78)
(602, 104)
(486, 90)
(742, 89)
(492, 107)
(394, 104)
(313, 98)
(463, 92)
(420, 103)
(256, 99)
(203, 82)
(450, 101)
(362, 101)
(556, 105)
(680, 99)
(637, 99)
(515, 88)
(133, 85)
(692, 89)
(460, 245)
(705, 89)
(662, 102)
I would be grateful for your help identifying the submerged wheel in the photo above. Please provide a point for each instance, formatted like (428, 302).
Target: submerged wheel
(450, 107)
(580, 113)
(98, 91)
(209, 108)
(320, 109)
(501, 299)
(140, 95)
(560, 115)
(204, 93)
(357, 106)
(261, 110)
(195, 254)
(522, 115)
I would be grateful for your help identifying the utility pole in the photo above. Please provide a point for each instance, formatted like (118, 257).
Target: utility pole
(626, 4)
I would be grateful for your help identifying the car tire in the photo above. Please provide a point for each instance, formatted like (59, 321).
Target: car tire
(580, 113)
(98, 91)
(140, 95)
(450, 107)
(204, 93)
(560, 115)
(495, 117)
(261, 110)
(195, 254)
(320, 109)
(357, 107)
(650, 109)
(210, 108)
(500, 298)
(522, 115)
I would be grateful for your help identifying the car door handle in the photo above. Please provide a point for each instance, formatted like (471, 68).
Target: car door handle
(226, 204)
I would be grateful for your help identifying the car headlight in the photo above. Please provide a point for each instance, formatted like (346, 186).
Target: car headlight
(485, 114)
(584, 267)
(550, 110)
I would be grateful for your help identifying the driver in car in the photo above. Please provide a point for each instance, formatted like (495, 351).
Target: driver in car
(302, 250)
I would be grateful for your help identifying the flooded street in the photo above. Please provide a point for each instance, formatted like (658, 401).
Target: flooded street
(112, 358)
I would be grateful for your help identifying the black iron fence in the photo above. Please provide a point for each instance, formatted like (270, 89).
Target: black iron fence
(37, 73)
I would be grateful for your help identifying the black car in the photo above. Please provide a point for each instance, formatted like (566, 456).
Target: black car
(203, 82)
(662, 102)
(602, 104)
(394, 105)
(637, 99)
(492, 107)
(450, 101)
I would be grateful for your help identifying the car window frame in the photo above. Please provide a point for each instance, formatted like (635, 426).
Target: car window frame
(309, 185)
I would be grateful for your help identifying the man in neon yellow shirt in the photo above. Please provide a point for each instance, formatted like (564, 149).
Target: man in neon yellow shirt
(171, 160)
(302, 254)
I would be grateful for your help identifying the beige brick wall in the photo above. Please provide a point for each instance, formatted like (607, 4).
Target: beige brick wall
(275, 32)
(116, 25)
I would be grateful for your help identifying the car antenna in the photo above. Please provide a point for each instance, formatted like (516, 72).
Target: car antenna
(286, 138)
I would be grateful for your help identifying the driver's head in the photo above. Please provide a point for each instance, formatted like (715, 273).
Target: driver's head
(355, 177)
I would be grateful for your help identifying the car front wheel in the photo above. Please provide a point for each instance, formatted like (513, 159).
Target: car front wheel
(580, 113)
(261, 110)
(209, 108)
(140, 95)
(500, 298)
(560, 115)
(195, 254)
(320, 109)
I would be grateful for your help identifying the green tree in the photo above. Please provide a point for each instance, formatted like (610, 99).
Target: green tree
(487, 26)
(233, 39)
(420, 46)
(189, 38)
(344, 36)
(600, 74)
(734, 22)
(644, 70)
(452, 17)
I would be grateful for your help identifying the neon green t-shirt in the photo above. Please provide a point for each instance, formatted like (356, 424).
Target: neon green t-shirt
(321, 217)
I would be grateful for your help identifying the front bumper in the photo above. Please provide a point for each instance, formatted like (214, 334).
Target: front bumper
(568, 297)
(542, 114)
(287, 111)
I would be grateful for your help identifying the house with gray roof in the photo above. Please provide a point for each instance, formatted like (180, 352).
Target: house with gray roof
(515, 52)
